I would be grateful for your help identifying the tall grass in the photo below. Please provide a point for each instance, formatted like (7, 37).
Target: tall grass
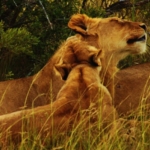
(122, 134)
(129, 133)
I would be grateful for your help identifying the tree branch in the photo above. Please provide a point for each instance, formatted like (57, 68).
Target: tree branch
(124, 4)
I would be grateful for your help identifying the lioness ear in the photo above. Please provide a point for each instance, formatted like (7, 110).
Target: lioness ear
(64, 70)
(78, 23)
(95, 58)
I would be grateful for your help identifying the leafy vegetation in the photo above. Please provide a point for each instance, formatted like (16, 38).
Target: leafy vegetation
(41, 26)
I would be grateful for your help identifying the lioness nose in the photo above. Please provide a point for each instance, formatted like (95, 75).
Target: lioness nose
(142, 25)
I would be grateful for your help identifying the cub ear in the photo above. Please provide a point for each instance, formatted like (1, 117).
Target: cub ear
(78, 23)
(95, 58)
(64, 70)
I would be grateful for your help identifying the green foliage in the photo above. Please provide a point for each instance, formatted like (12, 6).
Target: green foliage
(44, 22)
(17, 40)
(14, 42)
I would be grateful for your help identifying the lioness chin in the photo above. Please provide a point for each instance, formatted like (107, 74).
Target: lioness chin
(116, 38)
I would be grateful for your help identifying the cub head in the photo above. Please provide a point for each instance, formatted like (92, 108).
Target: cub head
(114, 36)
(92, 58)
(78, 52)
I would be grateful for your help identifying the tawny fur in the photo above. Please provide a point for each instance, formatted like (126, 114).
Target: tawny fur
(82, 98)
(43, 87)
(116, 39)
(112, 36)
(132, 89)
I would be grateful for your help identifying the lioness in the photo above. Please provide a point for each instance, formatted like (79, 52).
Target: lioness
(116, 38)
(82, 95)
(74, 52)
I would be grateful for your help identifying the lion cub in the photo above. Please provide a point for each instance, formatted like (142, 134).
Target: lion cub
(83, 91)
(77, 52)
(82, 97)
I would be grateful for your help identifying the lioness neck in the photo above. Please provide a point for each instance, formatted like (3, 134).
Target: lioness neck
(109, 69)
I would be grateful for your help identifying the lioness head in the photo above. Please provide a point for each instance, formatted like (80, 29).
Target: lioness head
(116, 37)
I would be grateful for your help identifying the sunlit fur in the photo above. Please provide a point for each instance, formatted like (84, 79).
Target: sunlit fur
(114, 37)
(110, 35)
(81, 99)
